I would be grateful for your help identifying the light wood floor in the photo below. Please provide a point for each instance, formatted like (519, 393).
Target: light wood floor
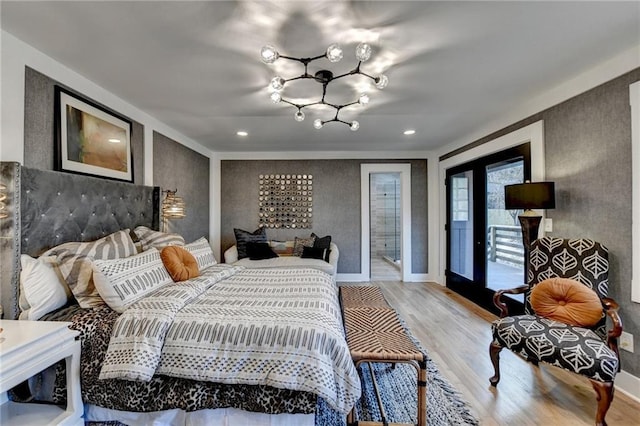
(457, 334)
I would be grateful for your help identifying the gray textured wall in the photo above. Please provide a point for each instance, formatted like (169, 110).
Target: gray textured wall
(588, 155)
(336, 204)
(39, 126)
(177, 167)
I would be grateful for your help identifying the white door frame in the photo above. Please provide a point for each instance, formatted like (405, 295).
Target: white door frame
(533, 133)
(405, 216)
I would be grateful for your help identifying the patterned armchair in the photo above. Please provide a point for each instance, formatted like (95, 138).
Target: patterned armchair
(589, 351)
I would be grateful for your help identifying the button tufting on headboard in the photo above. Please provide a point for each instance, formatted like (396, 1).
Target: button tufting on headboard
(49, 208)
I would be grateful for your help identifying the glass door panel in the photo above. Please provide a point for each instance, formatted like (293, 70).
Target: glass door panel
(505, 252)
(484, 242)
(461, 220)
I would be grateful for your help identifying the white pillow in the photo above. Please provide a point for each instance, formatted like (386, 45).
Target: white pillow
(122, 282)
(42, 287)
(201, 250)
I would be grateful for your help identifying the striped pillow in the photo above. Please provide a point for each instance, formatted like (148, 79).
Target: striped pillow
(201, 250)
(150, 238)
(282, 248)
(122, 282)
(75, 260)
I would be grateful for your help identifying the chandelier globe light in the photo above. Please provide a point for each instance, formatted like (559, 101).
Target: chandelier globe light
(333, 54)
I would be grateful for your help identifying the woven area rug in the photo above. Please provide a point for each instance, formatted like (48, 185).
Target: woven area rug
(445, 406)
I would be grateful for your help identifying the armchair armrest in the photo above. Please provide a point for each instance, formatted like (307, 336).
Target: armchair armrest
(497, 298)
(231, 254)
(333, 257)
(611, 309)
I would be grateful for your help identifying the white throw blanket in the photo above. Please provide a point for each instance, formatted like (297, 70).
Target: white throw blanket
(275, 327)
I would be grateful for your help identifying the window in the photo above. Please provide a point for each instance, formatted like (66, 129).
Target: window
(460, 198)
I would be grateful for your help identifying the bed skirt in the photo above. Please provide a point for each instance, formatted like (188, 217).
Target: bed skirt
(177, 417)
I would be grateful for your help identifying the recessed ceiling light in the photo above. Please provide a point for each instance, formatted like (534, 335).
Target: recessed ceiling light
(242, 133)
(114, 140)
(409, 132)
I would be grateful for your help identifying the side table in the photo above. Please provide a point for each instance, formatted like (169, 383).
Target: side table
(28, 347)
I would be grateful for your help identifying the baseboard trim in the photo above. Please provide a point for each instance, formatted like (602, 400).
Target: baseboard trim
(350, 278)
(354, 278)
(418, 278)
(628, 384)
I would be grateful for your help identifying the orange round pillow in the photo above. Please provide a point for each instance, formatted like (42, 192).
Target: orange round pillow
(567, 301)
(180, 263)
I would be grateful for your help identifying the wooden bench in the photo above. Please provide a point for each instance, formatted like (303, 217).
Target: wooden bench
(376, 335)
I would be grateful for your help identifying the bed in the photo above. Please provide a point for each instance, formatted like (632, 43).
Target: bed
(261, 321)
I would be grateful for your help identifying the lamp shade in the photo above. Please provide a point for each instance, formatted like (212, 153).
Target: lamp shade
(536, 195)
(173, 206)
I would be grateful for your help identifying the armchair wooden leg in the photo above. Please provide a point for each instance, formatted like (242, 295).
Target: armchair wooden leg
(604, 396)
(494, 352)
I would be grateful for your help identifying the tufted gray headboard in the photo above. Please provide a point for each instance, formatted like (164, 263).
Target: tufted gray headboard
(48, 208)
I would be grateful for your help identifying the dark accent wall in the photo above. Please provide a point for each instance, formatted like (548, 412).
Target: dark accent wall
(588, 156)
(39, 125)
(336, 204)
(177, 167)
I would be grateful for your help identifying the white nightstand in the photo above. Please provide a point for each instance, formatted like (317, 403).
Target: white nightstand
(28, 347)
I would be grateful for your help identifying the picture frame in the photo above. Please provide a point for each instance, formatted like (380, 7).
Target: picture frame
(90, 139)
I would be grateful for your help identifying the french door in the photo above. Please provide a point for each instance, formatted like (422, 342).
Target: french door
(484, 241)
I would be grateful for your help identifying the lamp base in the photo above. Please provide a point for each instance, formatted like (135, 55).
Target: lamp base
(530, 224)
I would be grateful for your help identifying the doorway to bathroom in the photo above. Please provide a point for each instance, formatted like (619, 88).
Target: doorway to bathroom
(384, 200)
(400, 245)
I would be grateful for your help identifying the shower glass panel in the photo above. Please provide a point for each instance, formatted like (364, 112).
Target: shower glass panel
(392, 219)
(385, 216)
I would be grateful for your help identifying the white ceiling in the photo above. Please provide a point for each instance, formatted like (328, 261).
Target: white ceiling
(452, 66)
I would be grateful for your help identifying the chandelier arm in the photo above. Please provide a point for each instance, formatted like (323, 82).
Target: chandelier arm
(305, 75)
(311, 104)
(324, 92)
(290, 103)
(300, 106)
(339, 107)
(337, 120)
(304, 60)
(367, 75)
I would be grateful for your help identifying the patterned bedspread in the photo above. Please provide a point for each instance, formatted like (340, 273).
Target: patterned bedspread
(161, 392)
(276, 327)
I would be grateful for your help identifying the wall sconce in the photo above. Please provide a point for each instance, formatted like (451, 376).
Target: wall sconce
(3, 196)
(528, 196)
(172, 207)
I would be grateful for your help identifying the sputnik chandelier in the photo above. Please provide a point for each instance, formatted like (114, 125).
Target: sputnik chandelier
(333, 54)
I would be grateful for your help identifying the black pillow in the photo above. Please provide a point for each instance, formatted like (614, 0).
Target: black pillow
(323, 243)
(313, 253)
(259, 251)
(243, 237)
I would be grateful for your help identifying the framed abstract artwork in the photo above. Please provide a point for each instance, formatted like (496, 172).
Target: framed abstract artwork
(91, 140)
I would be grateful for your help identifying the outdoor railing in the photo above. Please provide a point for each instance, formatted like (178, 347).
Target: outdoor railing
(505, 244)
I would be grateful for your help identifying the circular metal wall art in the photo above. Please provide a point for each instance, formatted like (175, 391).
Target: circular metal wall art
(282, 200)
